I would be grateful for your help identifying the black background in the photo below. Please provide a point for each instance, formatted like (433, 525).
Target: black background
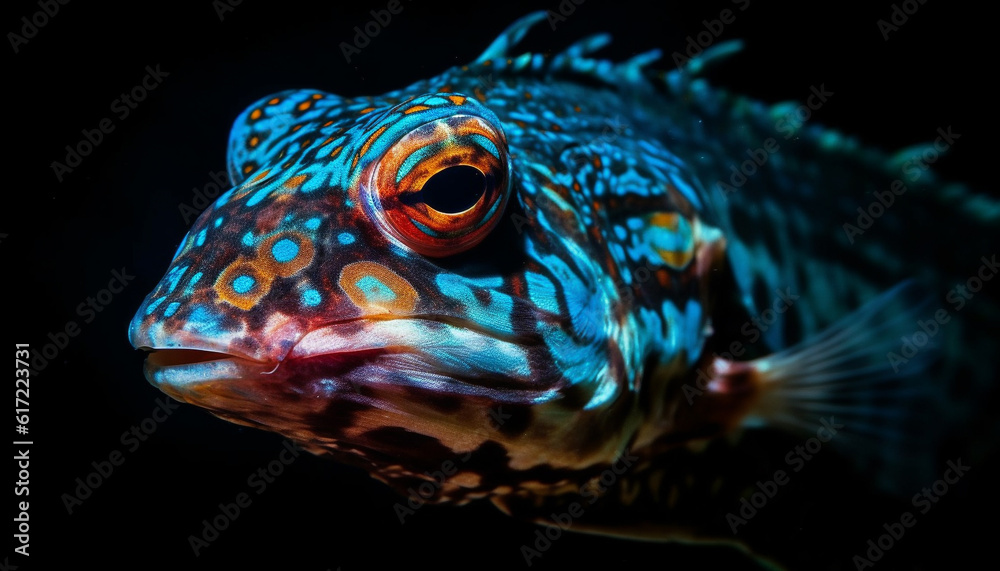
(119, 209)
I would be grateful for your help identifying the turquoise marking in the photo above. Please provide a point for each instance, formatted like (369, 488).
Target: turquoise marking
(494, 314)
(248, 239)
(485, 143)
(375, 291)
(218, 222)
(310, 297)
(313, 223)
(200, 239)
(152, 307)
(345, 238)
(173, 276)
(542, 292)
(427, 230)
(171, 309)
(415, 158)
(243, 284)
(284, 250)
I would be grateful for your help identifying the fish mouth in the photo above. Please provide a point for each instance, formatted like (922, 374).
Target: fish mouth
(436, 354)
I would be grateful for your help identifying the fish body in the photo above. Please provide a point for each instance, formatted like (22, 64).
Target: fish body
(524, 270)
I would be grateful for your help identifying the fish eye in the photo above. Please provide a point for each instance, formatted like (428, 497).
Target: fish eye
(442, 187)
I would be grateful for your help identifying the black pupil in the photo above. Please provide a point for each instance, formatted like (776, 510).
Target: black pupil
(454, 189)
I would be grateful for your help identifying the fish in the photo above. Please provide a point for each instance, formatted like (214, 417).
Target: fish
(552, 281)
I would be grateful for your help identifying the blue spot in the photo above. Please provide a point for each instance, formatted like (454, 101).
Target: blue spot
(313, 223)
(345, 238)
(284, 250)
(152, 307)
(201, 238)
(248, 239)
(171, 309)
(310, 297)
(195, 278)
(375, 290)
(174, 276)
(218, 222)
(243, 284)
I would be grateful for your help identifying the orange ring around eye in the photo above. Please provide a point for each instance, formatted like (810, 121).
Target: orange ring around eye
(399, 197)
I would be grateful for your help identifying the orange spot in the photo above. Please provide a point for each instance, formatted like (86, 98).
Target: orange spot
(457, 99)
(576, 186)
(488, 63)
(479, 94)
(304, 105)
(576, 108)
(664, 220)
(254, 141)
(247, 169)
(297, 127)
(415, 108)
(444, 89)
(326, 142)
(527, 95)
(305, 143)
(258, 177)
(242, 267)
(303, 257)
(597, 161)
(317, 96)
(336, 151)
(328, 123)
(465, 68)
(403, 297)
(368, 143)
(521, 124)
(555, 127)
(296, 181)
(255, 114)
(274, 101)
(366, 110)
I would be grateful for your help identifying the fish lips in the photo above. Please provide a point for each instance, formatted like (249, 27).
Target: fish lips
(415, 352)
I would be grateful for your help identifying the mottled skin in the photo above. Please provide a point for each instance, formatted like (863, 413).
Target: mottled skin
(534, 354)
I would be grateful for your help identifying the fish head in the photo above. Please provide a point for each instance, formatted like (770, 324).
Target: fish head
(378, 286)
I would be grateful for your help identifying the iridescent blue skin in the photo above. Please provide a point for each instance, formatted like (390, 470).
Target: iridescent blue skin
(592, 298)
